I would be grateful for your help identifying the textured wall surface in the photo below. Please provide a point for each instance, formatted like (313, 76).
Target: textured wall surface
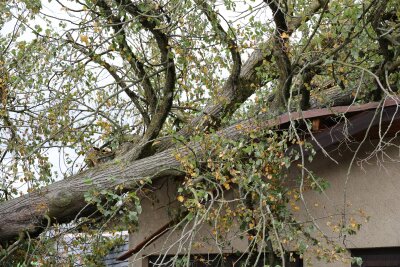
(369, 188)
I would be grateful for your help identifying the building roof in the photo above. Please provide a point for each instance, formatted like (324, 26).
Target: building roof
(329, 126)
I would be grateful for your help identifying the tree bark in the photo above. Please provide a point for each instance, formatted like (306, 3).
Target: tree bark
(64, 200)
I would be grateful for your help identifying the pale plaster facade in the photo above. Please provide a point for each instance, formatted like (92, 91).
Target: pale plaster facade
(372, 186)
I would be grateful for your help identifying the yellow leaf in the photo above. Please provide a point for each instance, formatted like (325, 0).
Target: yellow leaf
(284, 35)
(84, 39)
(180, 198)
(227, 186)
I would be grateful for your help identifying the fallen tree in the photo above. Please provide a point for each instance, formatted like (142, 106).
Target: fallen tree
(310, 55)
(62, 201)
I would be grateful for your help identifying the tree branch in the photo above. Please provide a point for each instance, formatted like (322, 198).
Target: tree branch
(230, 97)
(128, 55)
(97, 59)
(224, 37)
(280, 52)
(167, 59)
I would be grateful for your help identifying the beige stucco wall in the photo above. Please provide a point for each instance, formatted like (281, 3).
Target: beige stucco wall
(156, 213)
(372, 186)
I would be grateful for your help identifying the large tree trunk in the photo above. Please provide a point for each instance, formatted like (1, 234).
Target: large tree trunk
(62, 201)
